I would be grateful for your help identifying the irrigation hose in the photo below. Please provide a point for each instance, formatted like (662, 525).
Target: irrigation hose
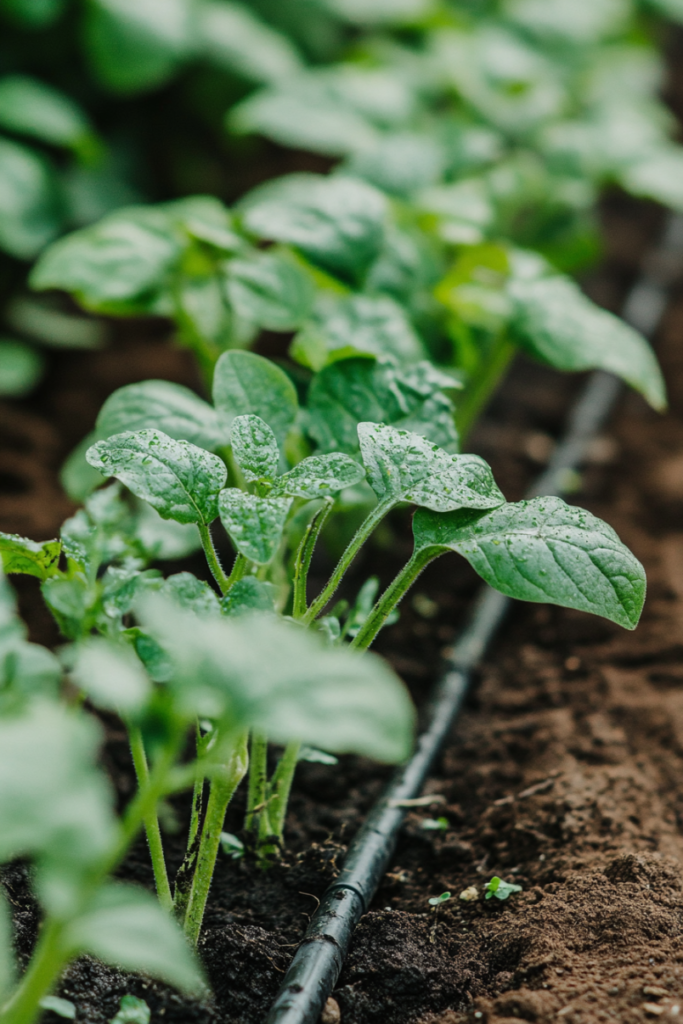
(318, 961)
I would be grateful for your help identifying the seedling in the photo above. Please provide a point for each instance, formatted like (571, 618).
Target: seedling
(132, 1011)
(435, 824)
(500, 889)
(436, 901)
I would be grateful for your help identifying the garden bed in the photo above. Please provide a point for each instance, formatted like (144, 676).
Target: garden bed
(562, 776)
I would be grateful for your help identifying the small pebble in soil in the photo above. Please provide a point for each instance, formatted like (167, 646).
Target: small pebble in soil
(573, 664)
(331, 1013)
(653, 1009)
(469, 894)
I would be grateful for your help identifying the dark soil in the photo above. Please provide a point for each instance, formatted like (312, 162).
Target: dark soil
(564, 773)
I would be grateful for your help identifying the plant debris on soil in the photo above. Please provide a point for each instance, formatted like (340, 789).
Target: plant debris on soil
(564, 774)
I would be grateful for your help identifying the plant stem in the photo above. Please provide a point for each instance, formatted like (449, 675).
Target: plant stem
(258, 775)
(390, 598)
(215, 566)
(151, 820)
(280, 786)
(302, 562)
(222, 788)
(481, 386)
(356, 543)
(183, 878)
(43, 971)
(239, 568)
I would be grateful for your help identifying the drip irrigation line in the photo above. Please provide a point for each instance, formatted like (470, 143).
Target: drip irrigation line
(318, 961)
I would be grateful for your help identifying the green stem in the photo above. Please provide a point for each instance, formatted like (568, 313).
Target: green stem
(223, 786)
(215, 566)
(239, 569)
(280, 787)
(302, 562)
(258, 774)
(482, 385)
(43, 971)
(183, 878)
(356, 543)
(390, 598)
(151, 821)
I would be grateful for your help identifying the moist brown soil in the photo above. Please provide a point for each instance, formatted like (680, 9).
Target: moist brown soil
(564, 773)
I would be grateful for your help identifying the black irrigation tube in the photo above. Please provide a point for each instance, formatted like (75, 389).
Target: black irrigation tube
(318, 961)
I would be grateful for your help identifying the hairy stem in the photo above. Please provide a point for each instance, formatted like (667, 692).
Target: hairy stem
(46, 965)
(280, 786)
(223, 785)
(356, 543)
(183, 878)
(390, 598)
(215, 566)
(258, 776)
(151, 822)
(302, 562)
(239, 569)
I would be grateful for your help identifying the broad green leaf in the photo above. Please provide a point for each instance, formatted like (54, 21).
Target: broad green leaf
(111, 675)
(256, 670)
(121, 586)
(254, 447)
(405, 467)
(21, 555)
(125, 926)
(356, 390)
(30, 208)
(30, 107)
(245, 383)
(249, 595)
(254, 524)
(55, 805)
(269, 290)
(318, 476)
(356, 325)
(134, 45)
(160, 405)
(164, 538)
(206, 219)
(234, 38)
(189, 592)
(115, 266)
(337, 222)
(132, 1011)
(26, 670)
(21, 367)
(69, 600)
(555, 322)
(400, 163)
(657, 175)
(178, 479)
(544, 550)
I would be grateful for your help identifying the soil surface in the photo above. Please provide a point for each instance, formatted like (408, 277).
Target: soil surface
(564, 773)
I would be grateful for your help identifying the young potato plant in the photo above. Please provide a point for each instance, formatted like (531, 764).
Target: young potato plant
(260, 659)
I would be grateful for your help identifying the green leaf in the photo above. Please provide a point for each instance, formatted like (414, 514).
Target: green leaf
(555, 322)
(69, 601)
(111, 676)
(347, 326)
(160, 405)
(26, 670)
(30, 107)
(254, 524)
(21, 555)
(245, 383)
(318, 476)
(189, 592)
(134, 45)
(234, 38)
(231, 846)
(30, 210)
(205, 219)
(116, 266)
(62, 1007)
(33, 13)
(254, 447)
(178, 479)
(269, 290)
(337, 222)
(256, 670)
(544, 550)
(55, 805)
(434, 901)
(500, 889)
(21, 367)
(249, 595)
(126, 927)
(132, 1011)
(356, 390)
(402, 466)
(164, 538)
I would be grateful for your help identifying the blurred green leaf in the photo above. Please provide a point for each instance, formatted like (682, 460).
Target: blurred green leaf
(30, 107)
(269, 290)
(30, 208)
(21, 367)
(161, 405)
